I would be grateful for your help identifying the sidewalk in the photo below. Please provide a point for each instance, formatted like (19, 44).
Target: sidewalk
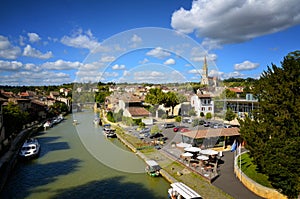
(228, 182)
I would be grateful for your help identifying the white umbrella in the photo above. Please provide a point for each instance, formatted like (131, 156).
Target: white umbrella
(209, 152)
(192, 149)
(202, 157)
(187, 154)
(183, 145)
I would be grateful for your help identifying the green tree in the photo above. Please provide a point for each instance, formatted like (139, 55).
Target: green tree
(14, 118)
(171, 100)
(201, 114)
(230, 115)
(273, 135)
(155, 96)
(208, 115)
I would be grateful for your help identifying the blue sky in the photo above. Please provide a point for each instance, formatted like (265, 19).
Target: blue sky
(62, 41)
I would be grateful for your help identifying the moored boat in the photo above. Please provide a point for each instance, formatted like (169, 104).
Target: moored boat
(30, 149)
(152, 168)
(181, 190)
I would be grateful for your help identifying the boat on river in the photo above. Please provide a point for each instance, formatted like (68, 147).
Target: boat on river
(152, 168)
(108, 131)
(181, 190)
(30, 149)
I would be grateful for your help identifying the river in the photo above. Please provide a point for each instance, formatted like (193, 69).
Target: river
(78, 161)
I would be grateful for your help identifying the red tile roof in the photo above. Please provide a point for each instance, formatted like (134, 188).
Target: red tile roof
(138, 111)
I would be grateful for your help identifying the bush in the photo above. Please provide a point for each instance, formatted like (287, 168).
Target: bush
(178, 118)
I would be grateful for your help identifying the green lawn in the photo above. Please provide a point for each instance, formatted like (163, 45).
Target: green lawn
(250, 170)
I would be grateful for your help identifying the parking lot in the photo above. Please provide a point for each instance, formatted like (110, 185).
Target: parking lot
(167, 133)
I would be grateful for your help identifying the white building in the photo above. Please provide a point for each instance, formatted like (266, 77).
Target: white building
(202, 103)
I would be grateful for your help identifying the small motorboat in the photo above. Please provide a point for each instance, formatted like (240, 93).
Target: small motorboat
(152, 168)
(30, 149)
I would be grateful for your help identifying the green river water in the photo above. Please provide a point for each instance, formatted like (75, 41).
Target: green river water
(77, 161)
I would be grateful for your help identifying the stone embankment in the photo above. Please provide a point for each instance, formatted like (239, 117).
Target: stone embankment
(256, 188)
(9, 159)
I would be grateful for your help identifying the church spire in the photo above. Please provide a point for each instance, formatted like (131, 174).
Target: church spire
(205, 70)
(204, 79)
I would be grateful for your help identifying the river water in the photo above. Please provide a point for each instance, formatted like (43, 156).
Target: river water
(78, 161)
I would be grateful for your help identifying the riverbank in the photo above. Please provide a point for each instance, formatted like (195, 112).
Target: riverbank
(10, 158)
(172, 170)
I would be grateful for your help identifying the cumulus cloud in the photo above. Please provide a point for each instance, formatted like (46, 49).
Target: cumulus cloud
(144, 61)
(61, 65)
(33, 37)
(236, 21)
(158, 52)
(32, 52)
(195, 71)
(246, 65)
(169, 62)
(10, 65)
(82, 39)
(7, 50)
(135, 40)
(118, 67)
(107, 59)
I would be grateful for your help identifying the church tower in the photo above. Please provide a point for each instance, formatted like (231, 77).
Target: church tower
(204, 79)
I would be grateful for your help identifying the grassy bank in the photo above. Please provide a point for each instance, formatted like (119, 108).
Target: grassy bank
(251, 171)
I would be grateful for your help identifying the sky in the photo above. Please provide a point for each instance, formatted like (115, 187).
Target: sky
(136, 41)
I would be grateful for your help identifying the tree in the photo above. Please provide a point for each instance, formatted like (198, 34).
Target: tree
(273, 135)
(14, 118)
(171, 100)
(230, 115)
(155, 96)
(208, 115)
(201, 114)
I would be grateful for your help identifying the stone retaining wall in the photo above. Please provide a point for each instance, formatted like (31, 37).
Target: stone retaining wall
(253, 186)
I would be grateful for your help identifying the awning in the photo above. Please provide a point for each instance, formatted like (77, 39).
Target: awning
(204, 133)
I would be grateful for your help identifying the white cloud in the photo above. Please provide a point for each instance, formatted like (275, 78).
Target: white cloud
(144, 61)
(61, 65)
(158, 52)
(32, 52)
(35, 78)
(246, 65)
(135, 41)
(107, 59)
(195, 71)
(7, 50)
(170, 62)
(83, 40)
(10, 65)
(126, 73)
(232, 74)
(118, 67)
(236, 21)
(33, 37)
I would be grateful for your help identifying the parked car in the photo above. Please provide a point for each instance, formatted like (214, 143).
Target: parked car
(206, 124)
(169, 125)
(178, 128)
(156, 135)
(185, 130)
(145, 130)
(227, 126)
(217, 125)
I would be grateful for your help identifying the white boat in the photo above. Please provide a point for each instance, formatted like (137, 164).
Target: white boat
(30, 149)
(108, 132)
(48, 124)
(181, 190)
(152, 168)
(58, 119)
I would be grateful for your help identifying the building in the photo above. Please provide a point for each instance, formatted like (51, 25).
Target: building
(208, 138)
(205, 79)
(202, 103)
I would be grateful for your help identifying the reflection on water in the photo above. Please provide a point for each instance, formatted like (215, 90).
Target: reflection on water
(66, 168)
